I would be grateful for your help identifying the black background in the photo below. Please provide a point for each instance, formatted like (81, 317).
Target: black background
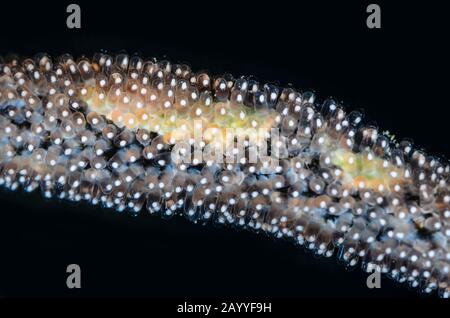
(398, 74)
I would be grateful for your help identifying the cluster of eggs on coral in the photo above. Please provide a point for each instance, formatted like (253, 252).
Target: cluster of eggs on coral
(102, 130)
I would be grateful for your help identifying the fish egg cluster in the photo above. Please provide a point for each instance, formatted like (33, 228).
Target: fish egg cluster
(103, 129)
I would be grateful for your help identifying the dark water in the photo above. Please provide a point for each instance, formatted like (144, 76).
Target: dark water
(397, 74)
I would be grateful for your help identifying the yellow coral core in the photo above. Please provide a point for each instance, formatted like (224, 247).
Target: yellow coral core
(365, 170)
(177, 122)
